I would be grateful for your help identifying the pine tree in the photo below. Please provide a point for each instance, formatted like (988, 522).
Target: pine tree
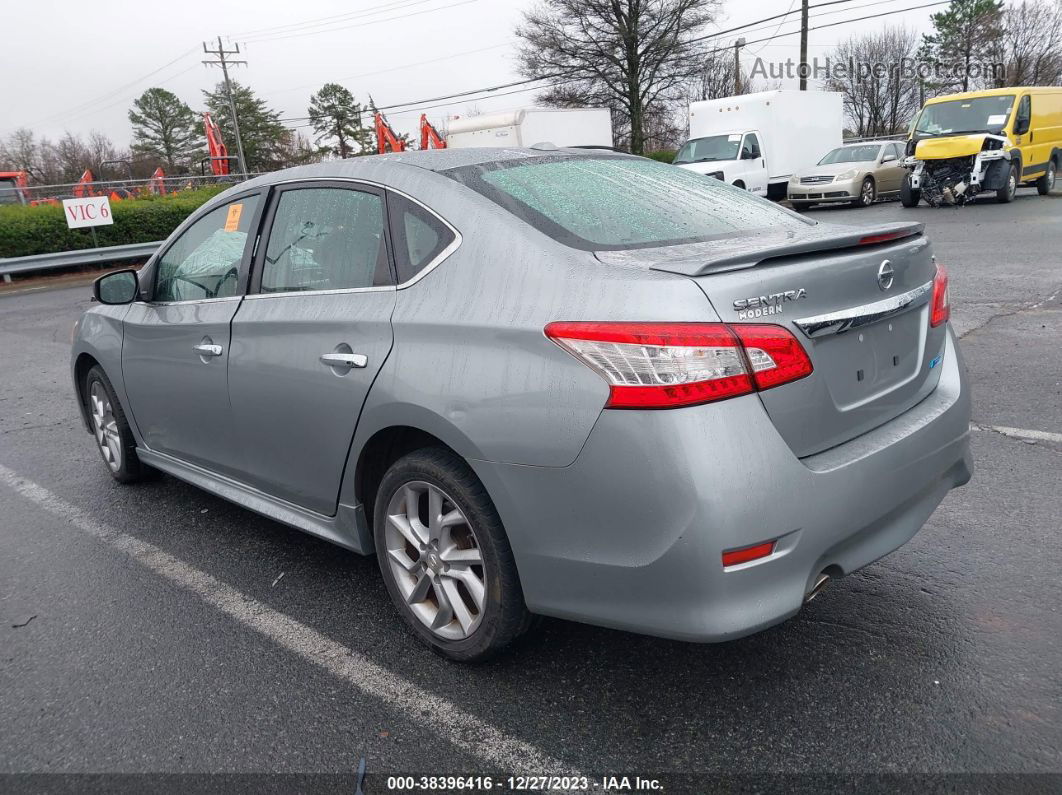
(339, 122)
(165, 128)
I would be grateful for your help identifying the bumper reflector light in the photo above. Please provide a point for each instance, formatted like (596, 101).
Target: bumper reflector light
(736, 556)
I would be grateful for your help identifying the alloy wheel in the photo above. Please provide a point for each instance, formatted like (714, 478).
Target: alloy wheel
(867, 195)
(435, 559)
(105, 426)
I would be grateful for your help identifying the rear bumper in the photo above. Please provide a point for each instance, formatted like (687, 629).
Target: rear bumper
(631, 534)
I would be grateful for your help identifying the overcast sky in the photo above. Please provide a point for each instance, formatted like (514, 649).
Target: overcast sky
(78, 65)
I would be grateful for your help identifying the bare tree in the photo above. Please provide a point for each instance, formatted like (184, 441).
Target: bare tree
(879, 97)
(635, 57)
(1030, 47)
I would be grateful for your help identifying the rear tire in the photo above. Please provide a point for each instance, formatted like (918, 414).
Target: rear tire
(114, 439)
(452, 576)
(1046, 183)
(1005, 195)
(909, 197)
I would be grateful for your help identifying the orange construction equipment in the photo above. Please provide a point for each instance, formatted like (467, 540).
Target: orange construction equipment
(14, 186)
(386, 140)
(429, 136)
(219, 153)
(157, 183)
(83, 187)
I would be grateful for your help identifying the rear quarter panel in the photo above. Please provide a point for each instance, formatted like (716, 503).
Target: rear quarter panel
(471, 363)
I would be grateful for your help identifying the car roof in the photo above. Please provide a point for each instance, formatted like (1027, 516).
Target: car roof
(428, 159)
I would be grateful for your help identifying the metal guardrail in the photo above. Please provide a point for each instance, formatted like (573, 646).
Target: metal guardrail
(84, 256)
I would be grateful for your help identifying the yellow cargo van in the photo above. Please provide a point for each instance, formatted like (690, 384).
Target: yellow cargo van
(983, 142)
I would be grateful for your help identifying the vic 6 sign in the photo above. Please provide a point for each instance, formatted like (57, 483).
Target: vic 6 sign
(92, 211)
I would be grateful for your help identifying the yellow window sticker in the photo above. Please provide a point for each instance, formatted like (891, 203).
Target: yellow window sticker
(232, 220)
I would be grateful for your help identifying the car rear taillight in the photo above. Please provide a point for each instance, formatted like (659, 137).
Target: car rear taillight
(667, 365)
(941, 305)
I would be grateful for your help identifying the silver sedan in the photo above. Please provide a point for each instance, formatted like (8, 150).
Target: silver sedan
(541, 381)
(854, 174)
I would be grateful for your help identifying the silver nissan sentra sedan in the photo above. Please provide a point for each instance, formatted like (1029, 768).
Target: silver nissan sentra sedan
(541, 381)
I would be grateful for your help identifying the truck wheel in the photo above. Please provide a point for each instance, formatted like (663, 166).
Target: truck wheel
(867, 193)
(909, 197)
(1005, 194)
(1046, 183)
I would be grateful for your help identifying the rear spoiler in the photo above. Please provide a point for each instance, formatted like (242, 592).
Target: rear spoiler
(747, 250)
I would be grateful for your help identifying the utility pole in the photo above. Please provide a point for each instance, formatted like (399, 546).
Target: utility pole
(803, 45)
(738, 44)
(221, 61)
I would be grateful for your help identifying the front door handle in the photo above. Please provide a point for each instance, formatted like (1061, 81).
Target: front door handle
(208, 350)
(345, 359)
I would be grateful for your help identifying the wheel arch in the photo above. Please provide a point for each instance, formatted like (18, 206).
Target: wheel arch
(378, 452)
(82, 364)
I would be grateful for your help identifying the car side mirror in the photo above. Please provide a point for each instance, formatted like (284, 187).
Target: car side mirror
(119, 287)
(747, 155)
(888, 158)
(1021, 126)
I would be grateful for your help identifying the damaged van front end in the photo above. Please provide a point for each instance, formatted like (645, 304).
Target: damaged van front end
(953, 170)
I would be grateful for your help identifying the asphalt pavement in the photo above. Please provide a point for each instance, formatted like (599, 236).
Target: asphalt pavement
(157, 629)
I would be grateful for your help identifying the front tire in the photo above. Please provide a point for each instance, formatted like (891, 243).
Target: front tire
(114, 439)
(1046, 183)
(909, 197)
(867, 193)
(1005, 195)
(445, 558)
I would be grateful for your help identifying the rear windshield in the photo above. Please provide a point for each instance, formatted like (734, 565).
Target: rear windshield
(608, 203)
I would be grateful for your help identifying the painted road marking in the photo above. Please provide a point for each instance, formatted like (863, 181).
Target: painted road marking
(467, 732)
(1021, 433)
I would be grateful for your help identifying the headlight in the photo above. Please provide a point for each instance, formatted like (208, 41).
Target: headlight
(794, 180)
(849, 174)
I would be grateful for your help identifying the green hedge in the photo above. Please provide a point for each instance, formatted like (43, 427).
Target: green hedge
(28, 230)
(665, 156)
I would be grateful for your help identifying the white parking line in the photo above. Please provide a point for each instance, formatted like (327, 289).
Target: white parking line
(1021, 433)
(468, 733)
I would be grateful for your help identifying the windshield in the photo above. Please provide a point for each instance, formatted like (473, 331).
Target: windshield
(714, 147)
(607, 203)
(984, 114)
(851, 154)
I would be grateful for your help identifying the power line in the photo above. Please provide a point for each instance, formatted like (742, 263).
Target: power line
(320, 20)
(76, 108)
(363, 24)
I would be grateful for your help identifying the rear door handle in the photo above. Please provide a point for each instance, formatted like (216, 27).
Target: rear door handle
(208, 350)
(345, 359)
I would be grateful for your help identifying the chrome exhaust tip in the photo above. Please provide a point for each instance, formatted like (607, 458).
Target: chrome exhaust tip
(818, 587)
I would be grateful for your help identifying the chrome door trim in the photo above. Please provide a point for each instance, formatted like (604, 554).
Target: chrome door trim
(337, 291)
(856, 316)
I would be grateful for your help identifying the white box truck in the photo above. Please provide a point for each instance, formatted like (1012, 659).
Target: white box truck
(757, 141)
(530, 126)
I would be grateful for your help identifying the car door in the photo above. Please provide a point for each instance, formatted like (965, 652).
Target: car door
(176, 341)
(310, 338)
(889, 172)
(755, 165)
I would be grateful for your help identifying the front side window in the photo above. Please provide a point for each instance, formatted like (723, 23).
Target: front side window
(419, 237)
(751, 148)
(602, 203)
(204, 262)
(326, 239)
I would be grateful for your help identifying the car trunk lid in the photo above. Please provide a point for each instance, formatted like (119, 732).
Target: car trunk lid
(858, 299)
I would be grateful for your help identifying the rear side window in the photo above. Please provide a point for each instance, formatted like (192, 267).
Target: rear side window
(419, 237)
(326, 239)
(618, 203)
(204, 262)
